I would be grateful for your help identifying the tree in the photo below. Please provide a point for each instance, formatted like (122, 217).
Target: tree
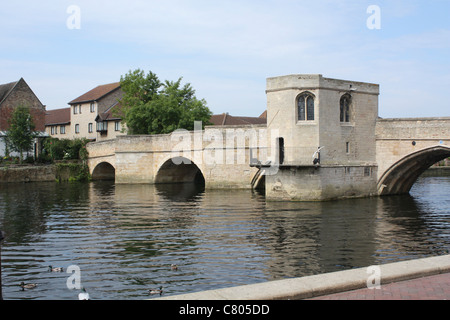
(21, 131)
(150, 106)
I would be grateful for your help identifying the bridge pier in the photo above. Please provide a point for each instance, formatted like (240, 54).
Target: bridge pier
(321, 183)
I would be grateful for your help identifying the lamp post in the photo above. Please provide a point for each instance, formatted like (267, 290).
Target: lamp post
(1, 239)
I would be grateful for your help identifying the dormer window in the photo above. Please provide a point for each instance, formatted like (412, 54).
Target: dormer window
(305, 105)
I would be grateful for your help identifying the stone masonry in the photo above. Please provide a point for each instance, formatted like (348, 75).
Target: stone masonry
(309, 150)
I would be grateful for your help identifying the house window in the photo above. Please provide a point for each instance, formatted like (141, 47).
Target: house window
(345, 108)
(62, 129)
(77, 128)
(117, 126)
(102, 126)
(347, 147)
(92, 108)
(305, 104)
(90, 129)
(54, 130)
(79, 107)
(75, 109)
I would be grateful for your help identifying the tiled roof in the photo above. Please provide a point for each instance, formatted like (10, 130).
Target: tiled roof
(96, 93)
(110, 115)
(5, 89)
(57, 116)
(225, 119)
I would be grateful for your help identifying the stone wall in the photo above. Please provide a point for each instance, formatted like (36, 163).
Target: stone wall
(27, 174)
(222, 154)
(321, 183)
(396, 138)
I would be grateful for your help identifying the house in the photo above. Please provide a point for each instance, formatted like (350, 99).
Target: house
(57, 123)
(95, 115)
(86, 108)
(13, 95)
(109, 124)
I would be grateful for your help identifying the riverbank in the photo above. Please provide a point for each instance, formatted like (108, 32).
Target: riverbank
(27, 173)
(437, 170)
(326, 284)
(60, 171)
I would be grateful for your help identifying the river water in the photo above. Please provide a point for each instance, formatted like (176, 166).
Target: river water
(124, 238)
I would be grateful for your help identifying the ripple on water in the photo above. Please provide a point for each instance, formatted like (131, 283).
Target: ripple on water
(124, 238)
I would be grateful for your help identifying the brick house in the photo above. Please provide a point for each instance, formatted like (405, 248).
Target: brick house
(16, 94)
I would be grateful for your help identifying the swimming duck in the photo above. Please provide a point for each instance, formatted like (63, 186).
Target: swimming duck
(174, 267)
(28, 285)
(156, 291)
(83, 295)
(57, 269)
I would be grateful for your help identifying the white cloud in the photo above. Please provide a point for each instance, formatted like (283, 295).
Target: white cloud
(225, 49)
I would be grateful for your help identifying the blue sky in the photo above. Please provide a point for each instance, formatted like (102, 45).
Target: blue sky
(227, 49)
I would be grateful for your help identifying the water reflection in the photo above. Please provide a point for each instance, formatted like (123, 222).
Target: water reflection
(125, 237)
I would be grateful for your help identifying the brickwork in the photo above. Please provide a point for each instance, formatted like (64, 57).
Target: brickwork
(22, 95)
(435, 287)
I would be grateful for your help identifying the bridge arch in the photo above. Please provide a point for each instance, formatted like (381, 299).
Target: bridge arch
(104, 171)
(401, 176)
(179, 170)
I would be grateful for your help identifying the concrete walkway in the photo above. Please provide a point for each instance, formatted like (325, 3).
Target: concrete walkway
(426, 288)
(431, 281)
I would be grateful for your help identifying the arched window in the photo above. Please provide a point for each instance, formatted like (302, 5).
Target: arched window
(345, 108)
(305, 103)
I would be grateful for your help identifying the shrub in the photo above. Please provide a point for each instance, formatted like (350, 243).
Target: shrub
(65, 149)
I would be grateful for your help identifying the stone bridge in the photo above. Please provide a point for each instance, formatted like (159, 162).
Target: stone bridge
(405, 148)
(224, 157)
(217, 157)
(322, 140)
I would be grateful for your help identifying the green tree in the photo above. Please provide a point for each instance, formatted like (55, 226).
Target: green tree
(21, 131)
(150, 106)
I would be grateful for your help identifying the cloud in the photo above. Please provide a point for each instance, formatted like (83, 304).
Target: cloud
(226, 50)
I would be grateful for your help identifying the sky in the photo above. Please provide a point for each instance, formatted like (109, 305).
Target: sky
(227, 49)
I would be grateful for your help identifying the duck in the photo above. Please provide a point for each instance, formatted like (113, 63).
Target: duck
(156, 291)
(174, 267)
(83, 295)
(28, 285)
(57, 269)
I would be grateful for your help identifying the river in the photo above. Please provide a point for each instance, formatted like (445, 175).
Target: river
(124, 238)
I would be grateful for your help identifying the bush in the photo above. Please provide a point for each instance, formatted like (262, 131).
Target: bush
(65, 149)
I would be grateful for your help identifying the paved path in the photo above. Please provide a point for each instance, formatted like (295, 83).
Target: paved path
(425, 278)
(427, 288)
